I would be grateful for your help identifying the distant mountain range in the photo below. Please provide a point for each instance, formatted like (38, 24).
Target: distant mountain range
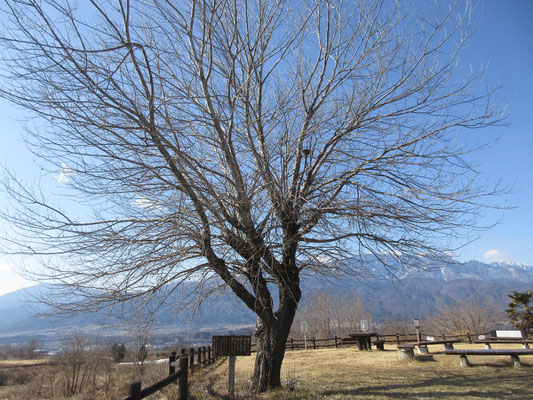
(417, 286)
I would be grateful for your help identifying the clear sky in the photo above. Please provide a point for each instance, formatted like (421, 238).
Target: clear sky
(503, 41)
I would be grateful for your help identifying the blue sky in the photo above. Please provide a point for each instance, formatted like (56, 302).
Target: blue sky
(504, 42)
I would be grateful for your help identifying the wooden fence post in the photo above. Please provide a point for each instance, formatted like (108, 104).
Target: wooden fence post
(469, 337)
(292, 344)
(199, 355)
(336, 345)
(209, 360)
(171, 359)
(314, 344)
(191, 358)
(135, 390)
(184, 379)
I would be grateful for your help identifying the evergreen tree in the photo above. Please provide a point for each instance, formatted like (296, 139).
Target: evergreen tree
(118, 352)
(519, 310)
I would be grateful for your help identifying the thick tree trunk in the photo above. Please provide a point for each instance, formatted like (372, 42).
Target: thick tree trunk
(270, 340)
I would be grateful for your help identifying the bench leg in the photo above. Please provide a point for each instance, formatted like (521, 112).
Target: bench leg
(463, 361)
(448, 346)
(487, 346)
(515, 361)
(525, 346)
(406, 354)
(423, 350)
(380, 347)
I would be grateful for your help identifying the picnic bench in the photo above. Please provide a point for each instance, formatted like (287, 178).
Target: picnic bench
(508, 336)
(363, 339)
(493, 340)
(407, 349)
(379, 343)
(514, 353)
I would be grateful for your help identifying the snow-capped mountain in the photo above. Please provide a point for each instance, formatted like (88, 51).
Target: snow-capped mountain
(402, 267)
(392, 287)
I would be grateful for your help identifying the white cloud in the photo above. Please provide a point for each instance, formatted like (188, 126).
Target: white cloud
(149, 204)
(494, 255)
(64, 173)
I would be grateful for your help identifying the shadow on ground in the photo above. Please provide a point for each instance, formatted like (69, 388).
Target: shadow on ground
(459, 384)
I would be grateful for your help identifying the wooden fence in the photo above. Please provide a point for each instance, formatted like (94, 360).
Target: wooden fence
(188, 360)
(397, 338)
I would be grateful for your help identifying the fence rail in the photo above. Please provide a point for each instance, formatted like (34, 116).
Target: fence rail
(187, 360)
(397, 338)
(192, 358)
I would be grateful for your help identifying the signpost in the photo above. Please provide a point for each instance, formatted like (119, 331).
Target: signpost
(364, 325)
(304, 327)
(232, 346)
(416, 322)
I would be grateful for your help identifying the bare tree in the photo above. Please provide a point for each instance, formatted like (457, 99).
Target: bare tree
(328, 315)
(393, 326)
(79, 363)
(235, 144)
(477, 314)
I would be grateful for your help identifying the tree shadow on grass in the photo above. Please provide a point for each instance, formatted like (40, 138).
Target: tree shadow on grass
(469, 387)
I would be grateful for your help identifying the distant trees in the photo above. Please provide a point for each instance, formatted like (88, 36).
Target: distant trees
(393, 326)
(519, 311)
(26, 351)
(235, 145)
(477, 314)
(329, 315)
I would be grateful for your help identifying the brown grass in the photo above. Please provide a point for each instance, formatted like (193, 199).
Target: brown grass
(343, 373)
(347, 373)
(47, 382)
(23, 363)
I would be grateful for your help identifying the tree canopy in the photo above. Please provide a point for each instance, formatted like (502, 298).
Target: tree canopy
(238, 144)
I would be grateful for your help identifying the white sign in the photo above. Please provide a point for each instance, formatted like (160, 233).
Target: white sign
(364, 325)
(509, 334)
(304, 326)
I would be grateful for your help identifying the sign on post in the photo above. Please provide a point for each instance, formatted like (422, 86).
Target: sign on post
(228, 346)
(364, 325)
(232, 346)
(304, 327)
(416, 323)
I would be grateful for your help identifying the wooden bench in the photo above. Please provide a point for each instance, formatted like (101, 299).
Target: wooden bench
(380, 344)
(494, 340)
(448, 344)
(514, 353)
(407, 349)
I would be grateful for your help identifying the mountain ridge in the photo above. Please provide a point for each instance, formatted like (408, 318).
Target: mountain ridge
(420, 286)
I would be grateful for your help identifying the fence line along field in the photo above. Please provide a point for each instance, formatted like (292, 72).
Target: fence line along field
(332, 372)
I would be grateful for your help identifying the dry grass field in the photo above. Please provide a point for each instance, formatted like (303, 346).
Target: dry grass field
(343, 373)
(347, 373)
(23, 381)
